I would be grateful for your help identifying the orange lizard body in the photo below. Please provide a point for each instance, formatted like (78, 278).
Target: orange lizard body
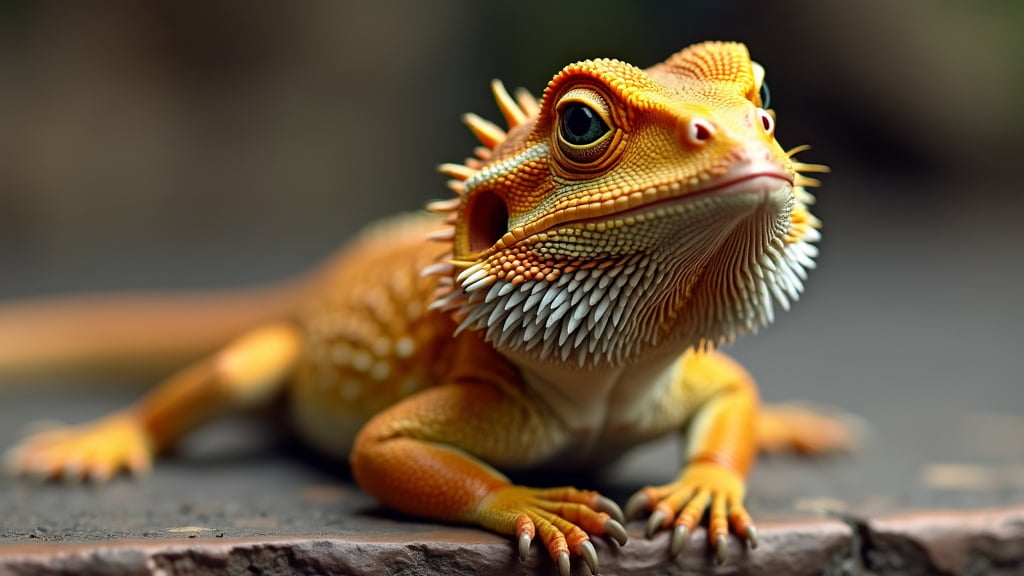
(563, 312)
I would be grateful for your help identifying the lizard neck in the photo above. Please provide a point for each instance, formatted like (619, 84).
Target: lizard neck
(590, 401)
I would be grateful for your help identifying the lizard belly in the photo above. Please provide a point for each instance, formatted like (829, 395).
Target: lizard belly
(370, 340)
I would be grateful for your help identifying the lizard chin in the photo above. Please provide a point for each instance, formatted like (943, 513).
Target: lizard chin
(740, 261)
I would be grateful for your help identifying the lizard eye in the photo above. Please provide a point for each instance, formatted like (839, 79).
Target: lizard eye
(585, 133)
(765, 96)
(581, 126)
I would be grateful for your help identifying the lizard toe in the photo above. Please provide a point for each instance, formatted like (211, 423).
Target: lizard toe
(701, 489)
(564, 519)
(92, 452)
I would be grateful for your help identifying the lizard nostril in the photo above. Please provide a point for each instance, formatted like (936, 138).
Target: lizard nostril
(699, 131)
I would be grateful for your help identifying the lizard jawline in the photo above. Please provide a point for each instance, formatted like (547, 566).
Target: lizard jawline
(598, 317)
(733, 184)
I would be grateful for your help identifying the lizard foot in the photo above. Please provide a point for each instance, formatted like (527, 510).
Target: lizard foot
(94, 451)
(681, 505)
(564, 518)
(808, 430)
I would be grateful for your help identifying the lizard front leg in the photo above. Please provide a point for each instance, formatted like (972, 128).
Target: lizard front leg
(431, 455)
(246, 372)
(720, 451)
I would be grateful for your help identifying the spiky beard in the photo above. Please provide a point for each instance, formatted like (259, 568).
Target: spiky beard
(711, 284)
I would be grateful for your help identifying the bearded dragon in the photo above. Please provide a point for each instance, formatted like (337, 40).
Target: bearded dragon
(565, 309)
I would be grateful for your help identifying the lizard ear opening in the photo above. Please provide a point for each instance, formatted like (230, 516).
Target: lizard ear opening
(488, 220)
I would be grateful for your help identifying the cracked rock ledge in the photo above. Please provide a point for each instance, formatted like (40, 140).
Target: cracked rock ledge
(978, 542)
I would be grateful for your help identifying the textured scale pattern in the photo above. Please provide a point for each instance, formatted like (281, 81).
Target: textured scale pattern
(373, 341)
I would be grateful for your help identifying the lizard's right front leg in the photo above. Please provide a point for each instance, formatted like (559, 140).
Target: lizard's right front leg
(426, 456)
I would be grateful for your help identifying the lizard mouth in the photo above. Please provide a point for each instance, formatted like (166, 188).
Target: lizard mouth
(756, 184)
(744, 183)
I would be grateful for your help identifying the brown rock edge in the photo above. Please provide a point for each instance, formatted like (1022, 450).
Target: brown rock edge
(989, 542)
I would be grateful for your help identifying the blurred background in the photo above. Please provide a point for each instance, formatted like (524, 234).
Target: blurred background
(188, 145)
(166, 144)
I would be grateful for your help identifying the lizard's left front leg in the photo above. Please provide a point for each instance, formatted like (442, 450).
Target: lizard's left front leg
(432, 455)
(720, 451)
(247, 372)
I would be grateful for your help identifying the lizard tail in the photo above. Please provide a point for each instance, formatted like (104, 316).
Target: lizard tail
(132, 331)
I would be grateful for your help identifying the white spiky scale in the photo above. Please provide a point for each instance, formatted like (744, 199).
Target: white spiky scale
(494, 292)
(542, 314)
(560, 295)
(480, 284)
(534, 299)
(530, 333)
(497, 313)
(471, 274)
(577, 297)
(513, 301)
(557, 314)
(438, 269)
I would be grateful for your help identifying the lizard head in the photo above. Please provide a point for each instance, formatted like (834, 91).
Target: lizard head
(628, 212)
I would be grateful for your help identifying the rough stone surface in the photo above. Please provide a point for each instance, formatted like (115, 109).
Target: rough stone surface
(797, 548)
(235, 499)
(981, 542)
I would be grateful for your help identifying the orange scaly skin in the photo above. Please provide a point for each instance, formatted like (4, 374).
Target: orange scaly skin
(595, 252)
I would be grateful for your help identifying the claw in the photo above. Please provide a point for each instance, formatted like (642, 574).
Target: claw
(680, 538)
(616, 531)
(590, 556)
(609, 507)
(752, 536)
(73, 473)
(656, 521)
(636, 504)
(101, 474)
(524, 545)
(563, 563)
(721, 547)
(140, 465)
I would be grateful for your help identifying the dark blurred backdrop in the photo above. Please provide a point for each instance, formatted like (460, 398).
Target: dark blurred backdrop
(171, 144)
(178, 144)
